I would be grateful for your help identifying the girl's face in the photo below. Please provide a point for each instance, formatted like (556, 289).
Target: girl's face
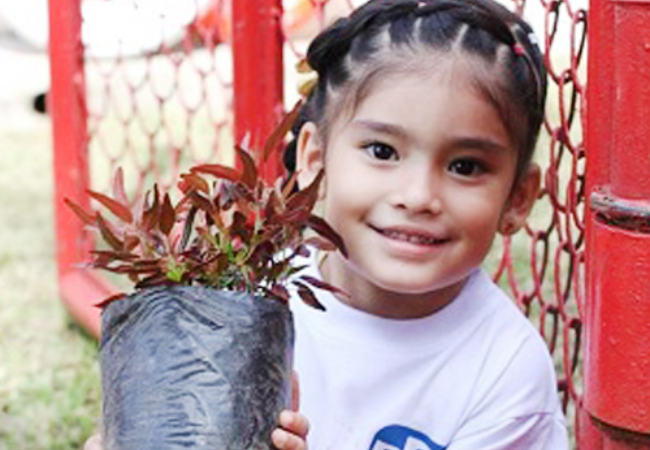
(418, 181)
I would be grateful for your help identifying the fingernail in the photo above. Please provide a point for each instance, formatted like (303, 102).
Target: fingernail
(286, 418)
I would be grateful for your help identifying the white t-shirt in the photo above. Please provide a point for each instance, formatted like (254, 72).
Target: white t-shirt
(476, 375)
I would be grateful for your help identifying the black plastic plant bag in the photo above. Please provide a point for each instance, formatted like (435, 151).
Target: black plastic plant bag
(192, 367)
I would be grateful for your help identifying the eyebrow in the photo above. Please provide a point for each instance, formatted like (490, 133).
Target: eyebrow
(382, 127)
(485, 144)
(475, 143)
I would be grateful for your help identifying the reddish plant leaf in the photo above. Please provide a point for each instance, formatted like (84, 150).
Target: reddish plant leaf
(249, 174)
(150, 215)
(244, 193)
(187, 229)
(130, 243)
(119, 193)
(219, 171)
(113, 298)
(239, 226)
(306, 198)
(231, 193)
(183, 206)
(276, 270)
(294, 216)
(147, 263)
(323, 285)
(263, 252)
(308, 296)
(272, 204)
(79, 211)
(159, 279)
(108, 235)
(201, 202)
(226, 196)
(113, 255)
(324, 229)
(280, 292)
(269, 231)
(194, 181)
(117, 208)
(290, 185)
(210, 211)
(320, 243)
(214, 259)
(247, 209)
(167, 215)
(273, 142)
(131, 270)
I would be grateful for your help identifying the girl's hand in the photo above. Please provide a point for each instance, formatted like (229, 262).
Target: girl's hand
(94, 443)
(292, 433)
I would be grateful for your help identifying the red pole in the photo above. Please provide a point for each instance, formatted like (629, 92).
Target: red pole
(67, 103)
(257, 55)
(617, 357)
(68, 109)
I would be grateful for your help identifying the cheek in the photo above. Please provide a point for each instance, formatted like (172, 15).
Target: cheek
(477, 212)
(344, 197)
(349, 186)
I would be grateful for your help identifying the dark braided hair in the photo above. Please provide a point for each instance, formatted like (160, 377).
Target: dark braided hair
(354, 51)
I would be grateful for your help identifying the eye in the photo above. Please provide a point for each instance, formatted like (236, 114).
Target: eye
(466, 167)
(380, 151)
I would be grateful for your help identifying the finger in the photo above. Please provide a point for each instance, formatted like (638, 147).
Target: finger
(295, 391)
(94, 443)
(294, 423)
(284, 440)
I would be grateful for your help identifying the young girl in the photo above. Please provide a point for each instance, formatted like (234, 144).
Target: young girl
(424, 119)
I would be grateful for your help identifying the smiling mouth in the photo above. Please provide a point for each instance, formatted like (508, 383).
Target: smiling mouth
(411, 238)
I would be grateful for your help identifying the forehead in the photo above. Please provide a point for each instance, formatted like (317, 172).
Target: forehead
(443, 98)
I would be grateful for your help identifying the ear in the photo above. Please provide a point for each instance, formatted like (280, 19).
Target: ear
(309, 155)
(521, 201)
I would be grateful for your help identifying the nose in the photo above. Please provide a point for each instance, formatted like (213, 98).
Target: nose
(417, 190)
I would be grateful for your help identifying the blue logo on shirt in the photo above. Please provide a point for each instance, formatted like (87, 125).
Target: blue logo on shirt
(397, 437)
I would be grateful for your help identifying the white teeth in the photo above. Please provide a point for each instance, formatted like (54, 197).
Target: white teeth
(412, 238)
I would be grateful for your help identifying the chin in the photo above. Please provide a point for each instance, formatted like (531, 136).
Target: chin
(418, 285)
(411, 287)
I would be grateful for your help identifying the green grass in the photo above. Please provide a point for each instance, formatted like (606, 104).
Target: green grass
(49, 377)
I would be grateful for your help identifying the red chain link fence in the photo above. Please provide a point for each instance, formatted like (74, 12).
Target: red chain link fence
(157, 103)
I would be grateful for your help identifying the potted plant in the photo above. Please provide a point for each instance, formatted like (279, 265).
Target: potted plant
(200, 354)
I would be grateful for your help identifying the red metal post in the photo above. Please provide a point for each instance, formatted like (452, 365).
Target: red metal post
(67, 105)
(257, 55)
(617, 356)
(69, 128)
